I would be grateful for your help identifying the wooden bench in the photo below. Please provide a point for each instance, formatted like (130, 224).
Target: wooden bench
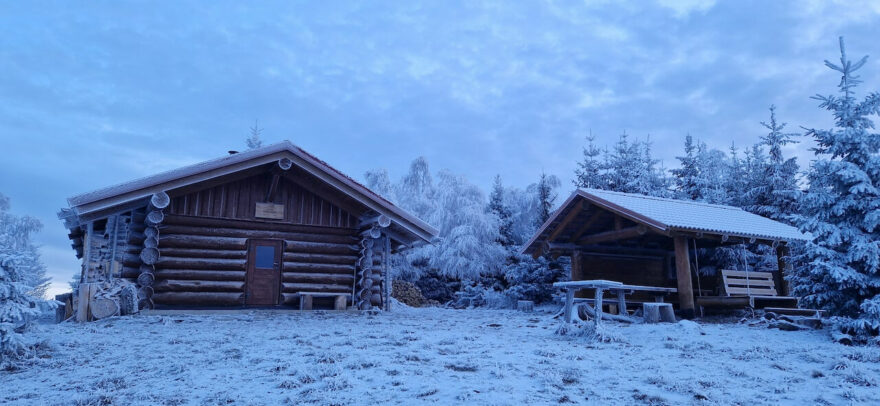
(305, 299)
(758, 287)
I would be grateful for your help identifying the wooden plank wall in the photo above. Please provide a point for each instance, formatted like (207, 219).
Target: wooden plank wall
(634, 270)
(237, 199)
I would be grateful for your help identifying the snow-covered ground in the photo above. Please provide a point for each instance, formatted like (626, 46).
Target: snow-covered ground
(433, 356)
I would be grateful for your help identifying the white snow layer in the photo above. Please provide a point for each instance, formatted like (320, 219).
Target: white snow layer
(441, 356)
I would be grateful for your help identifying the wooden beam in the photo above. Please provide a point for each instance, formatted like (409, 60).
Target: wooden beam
(577, 266)
(614, 235)
(273, 186)
(592, 220)
(784, 266)
(578, 208)
(683, 274)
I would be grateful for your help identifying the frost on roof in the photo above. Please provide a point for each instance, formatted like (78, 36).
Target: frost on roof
(697, 216)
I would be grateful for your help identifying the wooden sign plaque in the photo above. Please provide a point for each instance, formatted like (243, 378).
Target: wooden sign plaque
(269, 211)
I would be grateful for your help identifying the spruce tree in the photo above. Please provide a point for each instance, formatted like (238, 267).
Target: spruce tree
(254, 141)
(839, 269)
(500, 209)
(685, 177)
(546, 190)
(588, 174)
(735, 178)
(774, 191)
(20, 266)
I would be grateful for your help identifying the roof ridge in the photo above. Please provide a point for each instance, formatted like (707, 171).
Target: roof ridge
(665, 199)
(237, 155)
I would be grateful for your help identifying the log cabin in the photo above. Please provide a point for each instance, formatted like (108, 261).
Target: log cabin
(651, 241)
(271, 226)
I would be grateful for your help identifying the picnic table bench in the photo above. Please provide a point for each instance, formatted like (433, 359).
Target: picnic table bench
(600, 286)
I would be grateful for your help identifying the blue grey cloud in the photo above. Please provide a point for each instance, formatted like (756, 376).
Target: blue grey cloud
(99, 93)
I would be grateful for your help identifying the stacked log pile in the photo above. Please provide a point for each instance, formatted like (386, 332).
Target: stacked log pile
(407, 293)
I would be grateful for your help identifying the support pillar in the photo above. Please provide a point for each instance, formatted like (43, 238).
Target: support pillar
(784, 264)
(577, 270)
(683, 274)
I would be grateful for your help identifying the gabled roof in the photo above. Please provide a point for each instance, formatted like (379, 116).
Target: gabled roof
(103, 199)
(670, 215)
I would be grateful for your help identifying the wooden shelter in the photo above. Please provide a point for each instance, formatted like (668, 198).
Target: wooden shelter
(266, 227)
(642, 240)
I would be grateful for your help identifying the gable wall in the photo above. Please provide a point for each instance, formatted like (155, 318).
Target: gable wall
(237, 200)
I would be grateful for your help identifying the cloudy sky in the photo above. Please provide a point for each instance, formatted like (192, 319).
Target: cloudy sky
(97, 93)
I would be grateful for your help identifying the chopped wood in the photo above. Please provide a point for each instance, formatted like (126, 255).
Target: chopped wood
(103, 307)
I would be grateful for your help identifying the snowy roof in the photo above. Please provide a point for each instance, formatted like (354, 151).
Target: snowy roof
(695, 216)
(670, 215)
(109, 197)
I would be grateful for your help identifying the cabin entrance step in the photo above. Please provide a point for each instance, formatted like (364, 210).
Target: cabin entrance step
(305, 299)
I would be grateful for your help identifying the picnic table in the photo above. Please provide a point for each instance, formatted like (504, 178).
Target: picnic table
(600, 286)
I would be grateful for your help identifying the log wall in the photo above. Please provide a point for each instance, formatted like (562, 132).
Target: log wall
(203, 260)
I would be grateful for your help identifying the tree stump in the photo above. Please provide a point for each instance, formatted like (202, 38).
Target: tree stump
(657, 312)
(525, 305)
(340, 302)
(128, 300)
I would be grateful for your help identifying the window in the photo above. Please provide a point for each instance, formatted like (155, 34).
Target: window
(265, 257)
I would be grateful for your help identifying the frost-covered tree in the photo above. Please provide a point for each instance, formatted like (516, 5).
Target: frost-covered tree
(498, 207)
(631, 168)
(253, 141)
(379, 182)
(467, 246)
(523, 205)
(546, 189)
(839, 269)
(589, 174)
(775, 191)
(20, 268)
(735, 181)
(685, 176)
(416, 190)
(713, 165)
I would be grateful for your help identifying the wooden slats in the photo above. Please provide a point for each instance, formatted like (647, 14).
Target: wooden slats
(748, 283)
(235, 199)
(754, 291)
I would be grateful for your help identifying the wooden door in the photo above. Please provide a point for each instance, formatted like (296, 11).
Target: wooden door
(263, 272)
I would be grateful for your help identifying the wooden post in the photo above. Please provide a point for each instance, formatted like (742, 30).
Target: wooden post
(339, 303)
(87, 252)
(683, 273)
(598, 301)
(305, 302)
(577, 270)
(569, 299)
(386, 272)
(621, 303)
(782, 253)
